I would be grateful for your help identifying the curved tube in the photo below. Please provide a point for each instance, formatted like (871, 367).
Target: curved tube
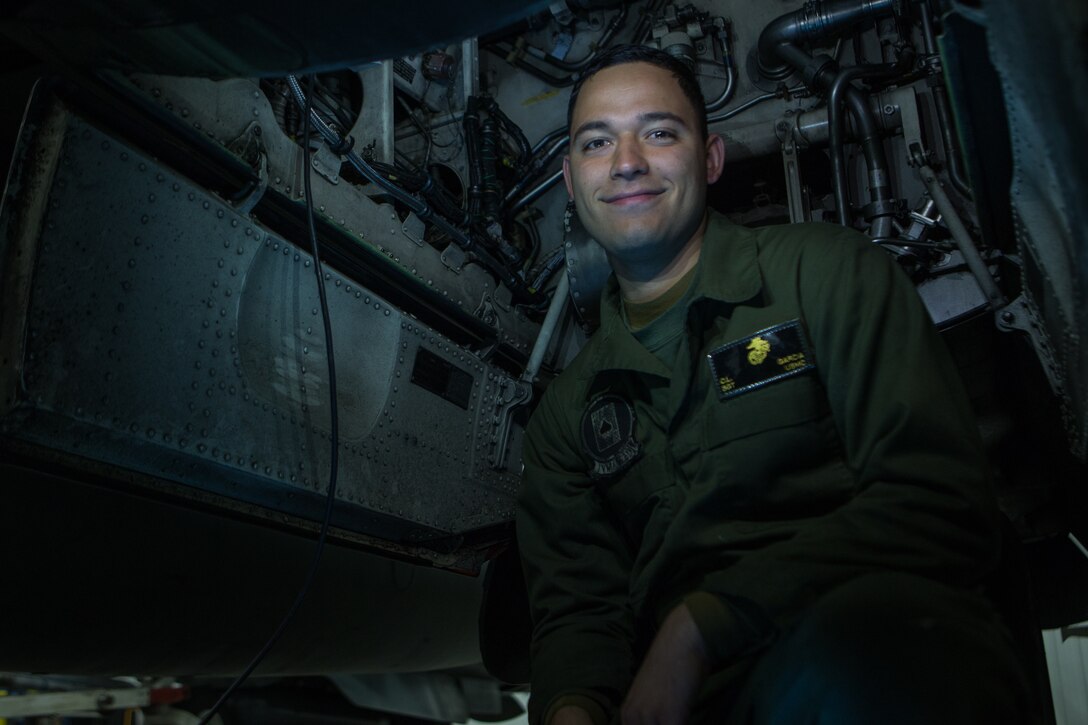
(971, 256)
(741, 108)
(816, 20)
(420, 207)
(536, 167)
(727, 92)
(549, 138)
(868, 133)
(536, 192)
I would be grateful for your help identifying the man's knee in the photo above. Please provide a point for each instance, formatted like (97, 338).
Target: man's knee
(891, 648)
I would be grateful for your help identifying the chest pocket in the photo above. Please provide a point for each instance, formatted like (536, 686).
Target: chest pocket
(645, 493)
(774, 451)
(782, 404)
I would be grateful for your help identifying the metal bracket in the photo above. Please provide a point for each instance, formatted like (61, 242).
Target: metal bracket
(1018, 315)
(511, 395)
(250, 147)
(792, 170)
(454, 258)
(486, 310)
(326, 163)
(414, 228)
(906, 101)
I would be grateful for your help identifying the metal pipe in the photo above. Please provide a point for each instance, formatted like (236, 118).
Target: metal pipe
(420, 207)
(549, 138)
(535, 169)
(869, 134)
(963, 241)
(727, 92)
(928, 38)
(574, 66)
(741, 108)
(547, 329)
(536, 192)
(816, 20)
(950, 140)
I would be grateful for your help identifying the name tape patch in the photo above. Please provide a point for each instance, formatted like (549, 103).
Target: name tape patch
(776, 353)
(608, 435)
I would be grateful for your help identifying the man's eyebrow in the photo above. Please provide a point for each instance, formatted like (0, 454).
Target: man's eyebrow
(590, 126)
(652, 116)
(643, 118)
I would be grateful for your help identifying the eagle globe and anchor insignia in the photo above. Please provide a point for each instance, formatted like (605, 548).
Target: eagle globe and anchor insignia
(769, 355)
(608, 435)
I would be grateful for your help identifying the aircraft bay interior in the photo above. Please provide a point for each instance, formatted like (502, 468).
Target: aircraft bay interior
(169, 426)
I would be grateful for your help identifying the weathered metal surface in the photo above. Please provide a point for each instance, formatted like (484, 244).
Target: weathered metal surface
(169, 335)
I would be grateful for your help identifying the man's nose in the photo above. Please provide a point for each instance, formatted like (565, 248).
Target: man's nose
(628, 161)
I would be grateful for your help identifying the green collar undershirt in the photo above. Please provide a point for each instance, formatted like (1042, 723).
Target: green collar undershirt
(659, 323)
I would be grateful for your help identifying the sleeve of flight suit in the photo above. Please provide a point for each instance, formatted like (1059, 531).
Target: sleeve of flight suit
(923, 502)
(576, 570)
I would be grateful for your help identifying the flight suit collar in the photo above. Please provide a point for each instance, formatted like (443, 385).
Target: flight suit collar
(728, 273)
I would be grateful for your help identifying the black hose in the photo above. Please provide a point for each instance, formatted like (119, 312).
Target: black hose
(815, 21)
(778, 55)
(554, 261)
(867, 131)
(471, 124)
(536, 168)
(334, 434)
(549, 138)
(512, 130)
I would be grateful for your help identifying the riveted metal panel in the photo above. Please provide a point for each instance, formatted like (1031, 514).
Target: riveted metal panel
(169, 335)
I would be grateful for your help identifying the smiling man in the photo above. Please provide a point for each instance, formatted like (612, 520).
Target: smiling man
(758, 494)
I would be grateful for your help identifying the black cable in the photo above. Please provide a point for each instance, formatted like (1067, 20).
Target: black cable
(334, 430)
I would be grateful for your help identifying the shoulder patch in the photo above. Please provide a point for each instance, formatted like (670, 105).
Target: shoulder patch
(769, 355)
(608, 435)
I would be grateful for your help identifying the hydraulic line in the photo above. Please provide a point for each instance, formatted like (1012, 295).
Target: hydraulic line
(778, 54)
(538, 165)
(754, 101)
(420, 207)
(554, 261)
(949, 140)
(549, 137)
(815, 21)
(536, 192)
(490, 188)
(730, 72)
(574, 66)
(869, 134)
(727, 93)
(547, 329)
(963, 241)
(334, 434)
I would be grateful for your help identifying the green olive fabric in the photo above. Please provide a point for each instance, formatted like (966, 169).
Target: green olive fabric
(747, 506)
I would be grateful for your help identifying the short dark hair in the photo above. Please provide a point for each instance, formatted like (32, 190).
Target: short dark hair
(620, 54)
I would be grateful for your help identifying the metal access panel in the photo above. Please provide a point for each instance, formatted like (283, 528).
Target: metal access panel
(149, 328)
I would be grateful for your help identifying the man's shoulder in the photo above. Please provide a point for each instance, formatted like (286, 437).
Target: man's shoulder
(802, 236)
(815, 246)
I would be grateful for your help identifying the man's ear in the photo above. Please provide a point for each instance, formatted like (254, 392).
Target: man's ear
(566, 177)
(715, 158)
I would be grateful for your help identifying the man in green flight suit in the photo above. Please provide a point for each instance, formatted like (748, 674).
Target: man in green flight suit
(758, 494)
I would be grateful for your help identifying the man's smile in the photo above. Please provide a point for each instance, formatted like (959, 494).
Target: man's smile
(628, 198)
